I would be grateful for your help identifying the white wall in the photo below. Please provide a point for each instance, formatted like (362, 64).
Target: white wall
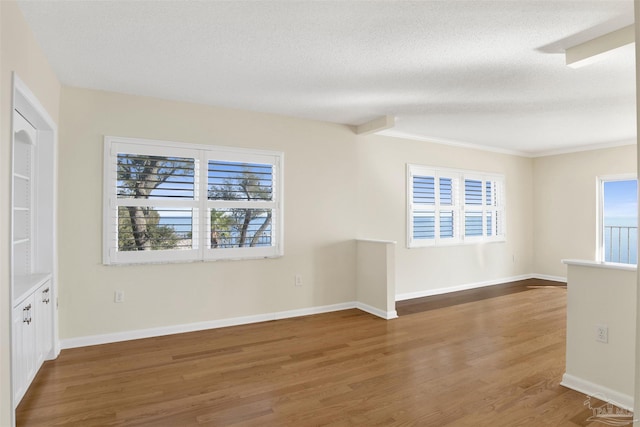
(382, 201)
(20, 53)
(319, 215)
(565, 211)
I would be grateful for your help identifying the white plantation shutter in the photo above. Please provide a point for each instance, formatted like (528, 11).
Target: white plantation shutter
(483, 207)
(447, 206)
(172, 202)
(422, 206)
(243, 207)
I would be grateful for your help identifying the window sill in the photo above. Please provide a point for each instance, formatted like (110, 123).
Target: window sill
(444, 244)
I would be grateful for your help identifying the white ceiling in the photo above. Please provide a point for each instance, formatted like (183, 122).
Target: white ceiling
(487, 73)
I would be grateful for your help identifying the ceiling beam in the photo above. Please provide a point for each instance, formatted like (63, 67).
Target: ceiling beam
(595, 49)
(376, 125)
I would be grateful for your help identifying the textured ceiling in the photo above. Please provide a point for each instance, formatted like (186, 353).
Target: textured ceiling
(487, 73)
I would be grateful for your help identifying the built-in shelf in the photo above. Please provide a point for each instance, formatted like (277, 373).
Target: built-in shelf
(33, 245)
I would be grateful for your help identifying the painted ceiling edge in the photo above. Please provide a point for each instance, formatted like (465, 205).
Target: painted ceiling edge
(577, 149)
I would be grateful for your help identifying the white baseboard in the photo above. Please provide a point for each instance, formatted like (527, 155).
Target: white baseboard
(467, 286)
(387, 315)
(199, 326)
(243, 320)
(620, 400)
(551, 278)
(221, 323)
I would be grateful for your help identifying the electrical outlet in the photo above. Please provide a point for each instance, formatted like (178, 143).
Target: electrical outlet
(298, 280)
(118, 296)
(602, 333)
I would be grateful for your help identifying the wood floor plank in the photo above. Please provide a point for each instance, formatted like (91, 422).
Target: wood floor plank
(486, 357)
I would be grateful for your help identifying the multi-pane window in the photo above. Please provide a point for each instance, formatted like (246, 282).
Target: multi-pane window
(448, 206)
(168, 202)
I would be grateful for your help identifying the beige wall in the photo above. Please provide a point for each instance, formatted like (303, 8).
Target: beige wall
(320, 178)
(338, 187)
(376, 277)
(20, 53)
(564, 205)
(382, 201)
(601, 296)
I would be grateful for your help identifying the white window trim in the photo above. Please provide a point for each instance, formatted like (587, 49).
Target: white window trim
(459, 207)
(600, 180)
(200, 204)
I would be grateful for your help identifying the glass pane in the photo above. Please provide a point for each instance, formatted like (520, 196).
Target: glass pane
(424, 225)
(239, 228)
(446, 224)
(152, 229)
(424, 190)
(446, 191)
(473, 224)
(620, 219)
(239, 181)
(489, 193)
(472, 192)
(489, 222)
(147, 177)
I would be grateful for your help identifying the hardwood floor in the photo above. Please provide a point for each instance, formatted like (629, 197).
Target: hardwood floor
(492, 358)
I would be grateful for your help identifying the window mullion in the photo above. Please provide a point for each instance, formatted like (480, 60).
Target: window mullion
(201, 194)
(241, 204)
(156, 202)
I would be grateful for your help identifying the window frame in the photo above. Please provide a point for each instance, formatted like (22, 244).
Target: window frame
(200, 204)
(459, 206)
(600, 254)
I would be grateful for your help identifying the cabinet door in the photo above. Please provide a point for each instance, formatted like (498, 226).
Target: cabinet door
(24, 350)
(43, 322)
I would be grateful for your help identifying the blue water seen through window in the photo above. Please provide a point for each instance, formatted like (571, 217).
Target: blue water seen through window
(620, 221)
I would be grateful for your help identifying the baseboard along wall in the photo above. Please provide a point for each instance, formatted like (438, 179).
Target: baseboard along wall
(467, 286)
(244, 320)
(597, 391)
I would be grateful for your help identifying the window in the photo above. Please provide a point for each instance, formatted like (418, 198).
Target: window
(618, 231)
(172, 202)
(452, 207)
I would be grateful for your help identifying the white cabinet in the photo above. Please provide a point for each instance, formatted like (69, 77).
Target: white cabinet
(44, 327)
(32, 336)
(33, 246)
(24, 346)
